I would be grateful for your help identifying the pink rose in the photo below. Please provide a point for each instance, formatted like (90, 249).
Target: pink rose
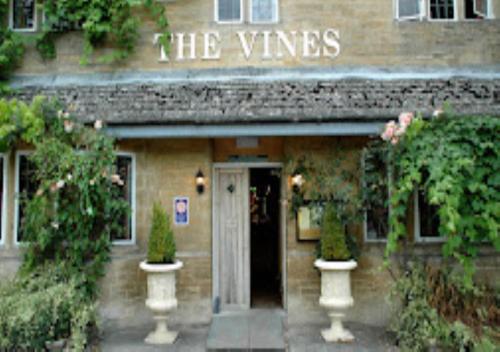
(405, 119)
(60, 184)
(390, 130)
(395, 140)
(400, 131)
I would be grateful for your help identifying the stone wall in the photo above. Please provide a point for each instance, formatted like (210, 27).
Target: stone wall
(369, 36)
(165, 169)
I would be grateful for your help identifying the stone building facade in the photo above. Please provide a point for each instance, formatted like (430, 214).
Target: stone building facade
(244, 96)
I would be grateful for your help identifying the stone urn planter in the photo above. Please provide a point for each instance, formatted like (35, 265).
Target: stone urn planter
(336, 296)
(161, 299)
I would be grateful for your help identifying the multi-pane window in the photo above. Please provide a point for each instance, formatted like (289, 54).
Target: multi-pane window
(253, 11)
(229, 11)
(435, 10)
(26, 188)
(376, 194)
(442, 9)
(125, 169)
(3, 197)
(23, 15)
(264, 11)
(426, 219)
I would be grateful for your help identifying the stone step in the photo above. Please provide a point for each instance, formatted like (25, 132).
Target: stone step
(254, 330)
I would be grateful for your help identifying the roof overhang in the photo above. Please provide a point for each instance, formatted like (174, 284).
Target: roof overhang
(246, 130)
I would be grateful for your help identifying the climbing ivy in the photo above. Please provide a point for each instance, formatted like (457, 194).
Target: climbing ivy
(11, 46)
(108, 24)
(104, 23)
(455, 162)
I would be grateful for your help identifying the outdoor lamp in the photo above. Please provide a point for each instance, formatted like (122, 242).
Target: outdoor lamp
(297, 181)
(200, 182)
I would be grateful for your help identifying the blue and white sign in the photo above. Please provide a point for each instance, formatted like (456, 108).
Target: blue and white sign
(181, 211)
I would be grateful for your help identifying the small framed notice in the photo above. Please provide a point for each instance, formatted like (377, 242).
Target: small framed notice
(181, 211)
(309, 219)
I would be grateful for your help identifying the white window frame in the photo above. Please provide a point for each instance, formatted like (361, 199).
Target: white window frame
(365, 216)
(491, 13)
(5, 158)
(25, 30)
(416, 221)
(419, 17)
(274, 20)
(455, 13)
(216, 14)
(132, 240)
(17, 204)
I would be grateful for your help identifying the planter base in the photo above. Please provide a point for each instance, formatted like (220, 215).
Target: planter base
(337, 332)
(161, 335)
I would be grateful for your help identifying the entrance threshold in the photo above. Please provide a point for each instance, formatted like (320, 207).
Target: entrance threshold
(252, 330)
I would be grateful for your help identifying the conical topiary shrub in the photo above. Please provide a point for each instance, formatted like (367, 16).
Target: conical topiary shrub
(333, 237)
(161, 248)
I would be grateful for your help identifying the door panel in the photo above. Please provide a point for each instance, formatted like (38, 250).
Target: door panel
(232, 239)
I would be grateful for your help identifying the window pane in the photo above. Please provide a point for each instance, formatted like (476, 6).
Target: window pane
(23, 14)
(429, 218)
(475, 9)
(124, 169)
(229, 10)
(481, 7)
(376, 194)
(28, 185)
(263, 10)
(442, 9)
(409, 8)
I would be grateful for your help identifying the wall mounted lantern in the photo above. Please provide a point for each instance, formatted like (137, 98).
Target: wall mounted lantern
(200, 182)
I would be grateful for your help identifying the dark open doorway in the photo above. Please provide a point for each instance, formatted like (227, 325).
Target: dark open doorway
(265, 268)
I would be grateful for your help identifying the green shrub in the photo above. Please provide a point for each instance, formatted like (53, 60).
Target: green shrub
(333, 237)
(435, 307)
(161, 247)
(44, 306)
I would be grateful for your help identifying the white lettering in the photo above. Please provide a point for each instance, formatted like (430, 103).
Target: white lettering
(247, 47)
(275, 44)
(266, 55)
(311, 42)
(163, 51)
(181, 45)
(331, 38)
(210, 40)
(290, 45)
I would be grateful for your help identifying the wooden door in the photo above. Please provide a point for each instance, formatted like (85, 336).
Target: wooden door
(232, 239)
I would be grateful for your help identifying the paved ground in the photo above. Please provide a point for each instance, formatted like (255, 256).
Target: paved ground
(253, 330)
(307, 338)
(131, 339)
(298, 338)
